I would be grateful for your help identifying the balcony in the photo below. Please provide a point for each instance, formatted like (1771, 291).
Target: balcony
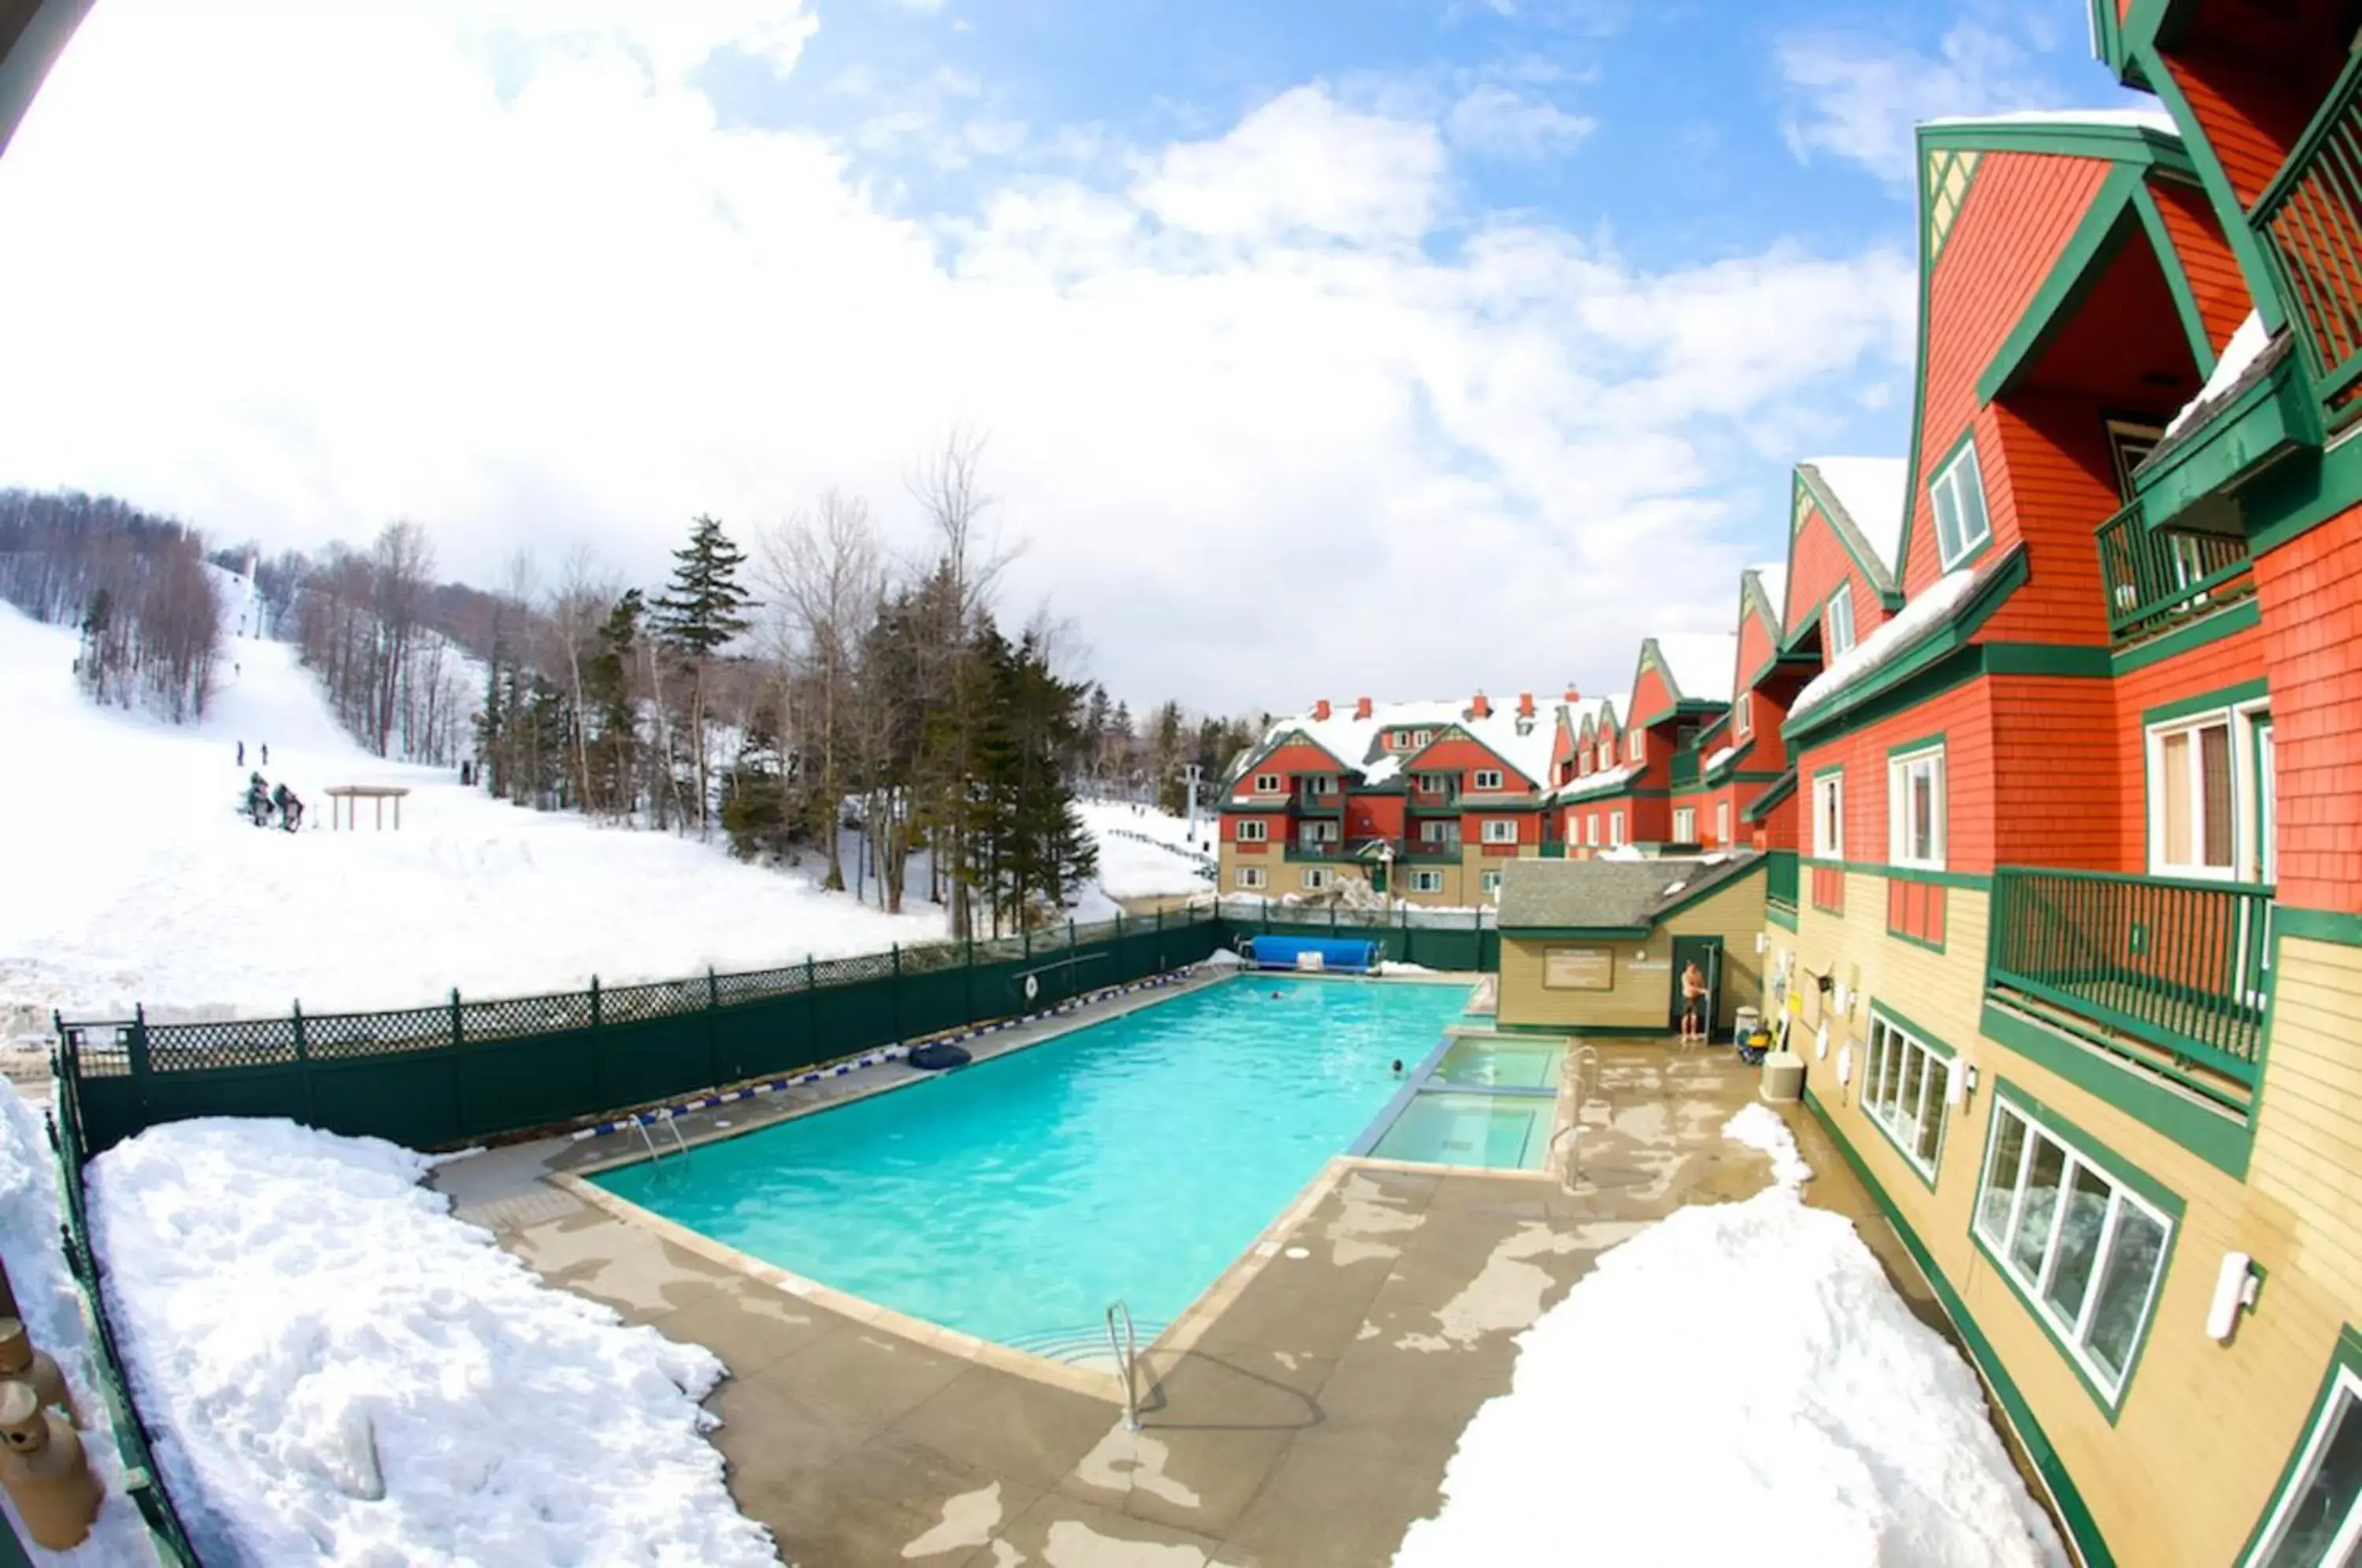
(1432, 849)
(1684, 766)
(1779, 879)
(1434, 801)
(1317, 803)
(2310, 221)
(2156, 578)
(2169, 974)
(1316, 849)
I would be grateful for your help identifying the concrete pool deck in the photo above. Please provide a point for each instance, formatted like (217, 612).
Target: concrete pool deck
(1299, 1416)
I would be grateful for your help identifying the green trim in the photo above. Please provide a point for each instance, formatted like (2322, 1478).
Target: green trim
(2176, 281)
(1719, 885)
(1919, 941)
(1782, 788)
(2065, 1496)
(2217, 1137)
(1821, 773)
(2298, 494)
(2213, 628)
(2206, 701)
(2116, 1169)
(2135, 146)
(1943, 1141)
(2345, 1356)
(1529, 933)
(2144, 62)
(1925, 1036)
(2270, 419)
(1885, 582)
(2084, 662)
(2317, 925)
(1978, 882)
(2108, 222)
(1922, 744)
(1783, 918)
(2000, 581)
(1967, 442)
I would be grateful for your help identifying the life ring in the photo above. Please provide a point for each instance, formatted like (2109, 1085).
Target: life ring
(1032, 986)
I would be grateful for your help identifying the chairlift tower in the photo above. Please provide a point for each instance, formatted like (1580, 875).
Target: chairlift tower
(1189, 774)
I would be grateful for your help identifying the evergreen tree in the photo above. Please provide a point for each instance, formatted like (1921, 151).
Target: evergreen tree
(613, 717)
(755, 806)
(701, 610)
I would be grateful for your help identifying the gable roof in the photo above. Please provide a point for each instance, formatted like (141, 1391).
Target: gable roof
(1355, 743)
(1766, 588)
(1611, 894)
(1866, 501)
(1697, 667)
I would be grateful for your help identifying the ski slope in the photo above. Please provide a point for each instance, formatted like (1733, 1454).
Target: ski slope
(1131, 869)
(133, 878)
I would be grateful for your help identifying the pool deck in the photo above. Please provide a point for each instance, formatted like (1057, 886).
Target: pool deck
(1299, 1416)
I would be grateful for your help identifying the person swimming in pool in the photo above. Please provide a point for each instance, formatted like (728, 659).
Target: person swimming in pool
(1398, 1067)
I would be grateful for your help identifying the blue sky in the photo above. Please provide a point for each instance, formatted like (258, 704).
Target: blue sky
(1507, 315)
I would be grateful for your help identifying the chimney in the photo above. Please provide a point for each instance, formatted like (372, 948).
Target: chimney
(1321, 709)
(1480, 708)
(1525, 704)
(1360, 706)
(1573, 696)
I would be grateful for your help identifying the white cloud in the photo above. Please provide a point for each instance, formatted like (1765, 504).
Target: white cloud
(1856, 97)
(1277, 412)
(1497, 120)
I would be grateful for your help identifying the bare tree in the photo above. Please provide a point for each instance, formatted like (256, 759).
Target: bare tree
(825, 572)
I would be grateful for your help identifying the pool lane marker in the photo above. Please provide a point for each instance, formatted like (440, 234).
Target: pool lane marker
(871, 1059)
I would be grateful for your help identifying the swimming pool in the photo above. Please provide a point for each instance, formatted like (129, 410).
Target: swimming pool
(1448, 1127)
(1493, 1062)
(1132, 1159)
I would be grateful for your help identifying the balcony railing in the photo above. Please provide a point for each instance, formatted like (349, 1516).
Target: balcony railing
(1684, 766)
(2180, 967)
(2310, 219)
(1316, 849)
(1432, 849)
(1779, 879)
(2154, 578)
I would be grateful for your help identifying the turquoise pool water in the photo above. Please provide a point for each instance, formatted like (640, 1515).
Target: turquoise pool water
(1503, 1064)
(1501, 1131)
(1133, 1159)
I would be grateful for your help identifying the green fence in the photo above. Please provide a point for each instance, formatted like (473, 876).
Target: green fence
(463, 1071)
(1436, 939)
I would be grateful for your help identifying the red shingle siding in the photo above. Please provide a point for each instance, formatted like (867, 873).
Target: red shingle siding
(2046, 453)
(1287, 762)
(1374, 816)
(1964, 718)
(2311, 589)
(1462, 758)
(1650, 697)
(1818, 561)
(2214, 276)
(2250, 153)
(2019, 215)
(2057, 788)
(2234, 661)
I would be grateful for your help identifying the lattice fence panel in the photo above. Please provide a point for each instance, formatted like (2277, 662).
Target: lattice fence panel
(349, 1034)
(659, 998)
(845, 971)
(512, 1016)
(229, 1043)
(757, 984)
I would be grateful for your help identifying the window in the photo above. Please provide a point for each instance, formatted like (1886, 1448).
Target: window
(1316, 877)
(1837, 624)
(1435, 833)
(1685, 825)
(2085, 1252)
(1591, 830)
(1491, 882)
(1828, 817)
(1914, 809)
(1487, 779)
(1320, 784)
(1742, 716)
(1722, 823)
(1500, 829)
(1958, 495)
(1422, 737)
(1903, 1090)
(1254, 830)
(1267, 784)
(1634, 744)
(1427, 881)
(1615, 830)
(1251, 877)
(2208, 795)
(2320, 1519)
(1317, 833)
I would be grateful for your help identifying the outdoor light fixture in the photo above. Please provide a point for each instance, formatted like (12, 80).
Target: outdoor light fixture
(1956, 1082)
(1845, 1065)
(2234, 1289)
(1821, 1041)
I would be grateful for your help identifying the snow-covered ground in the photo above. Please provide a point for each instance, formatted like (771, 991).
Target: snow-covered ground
(51, 1309)
(1737, 1383)
(1131, 869)
(136, 880)
(336, 1370)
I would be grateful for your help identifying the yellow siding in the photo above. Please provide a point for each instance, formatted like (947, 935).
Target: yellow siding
(1641, 996)
(2203, 1431)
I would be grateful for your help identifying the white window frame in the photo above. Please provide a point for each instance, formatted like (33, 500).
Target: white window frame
(1742, 716)
(1422, 737)
(1722, 823)
(1433, 831)
(1253, 830)
(1498, 829)
(2344, 1401)
(1490, 884)
(1269, 784)
(1323, 831)
(1836, 623)
(1316, 877)
(1319, 783)
(1882, 1079)
(1900, 772)
(1685, 824)
(1615, 830)
(1487, 779)
(1957, 482)
(1633, 743)
(1591, 830)
(1251, 877)
(2243, 718)
(1428, 881)
(1828, 816)
(2001, 1250)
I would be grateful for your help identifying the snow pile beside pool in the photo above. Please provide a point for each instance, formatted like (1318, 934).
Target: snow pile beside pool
(51, 1308)
(335, 1369)
(1737, 1383)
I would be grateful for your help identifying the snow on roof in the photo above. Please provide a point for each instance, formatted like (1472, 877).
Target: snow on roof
(1716, 758)
(1355, 741)
(1774, 580)
(1606, 781)
(1702, 664)
(2247, 346)
(2142, 119)
(1907, 629)
(1873, 490)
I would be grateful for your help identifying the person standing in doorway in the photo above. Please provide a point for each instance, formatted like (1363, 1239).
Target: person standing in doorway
(1693, 1001)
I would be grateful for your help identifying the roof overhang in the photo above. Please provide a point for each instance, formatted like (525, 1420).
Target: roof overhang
(33, 33)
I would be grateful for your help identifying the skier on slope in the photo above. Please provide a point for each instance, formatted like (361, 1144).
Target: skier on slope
(290, 806)
(257, 800)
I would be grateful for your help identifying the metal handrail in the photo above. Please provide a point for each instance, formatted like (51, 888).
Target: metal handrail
(1126, 1356)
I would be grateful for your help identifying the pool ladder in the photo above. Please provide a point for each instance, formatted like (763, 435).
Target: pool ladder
(648, 1138)
(1127, 1360)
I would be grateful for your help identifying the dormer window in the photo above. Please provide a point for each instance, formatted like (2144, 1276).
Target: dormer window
(1268, 784)
(1634, 744)
(1836, 626)
(1487, 778)
(1742, 716)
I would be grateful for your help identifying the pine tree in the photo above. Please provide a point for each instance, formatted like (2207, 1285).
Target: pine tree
(700, 612)
(613, 717)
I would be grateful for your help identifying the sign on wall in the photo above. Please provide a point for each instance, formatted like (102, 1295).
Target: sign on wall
(1578, 968)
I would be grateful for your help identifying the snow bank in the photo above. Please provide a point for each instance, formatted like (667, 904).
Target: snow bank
(154, 889)
(30, 1210)
(1737, 1383)
(335, 1369)
(1913, 621)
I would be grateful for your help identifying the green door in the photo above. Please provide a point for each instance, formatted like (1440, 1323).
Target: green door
(1706, 953)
